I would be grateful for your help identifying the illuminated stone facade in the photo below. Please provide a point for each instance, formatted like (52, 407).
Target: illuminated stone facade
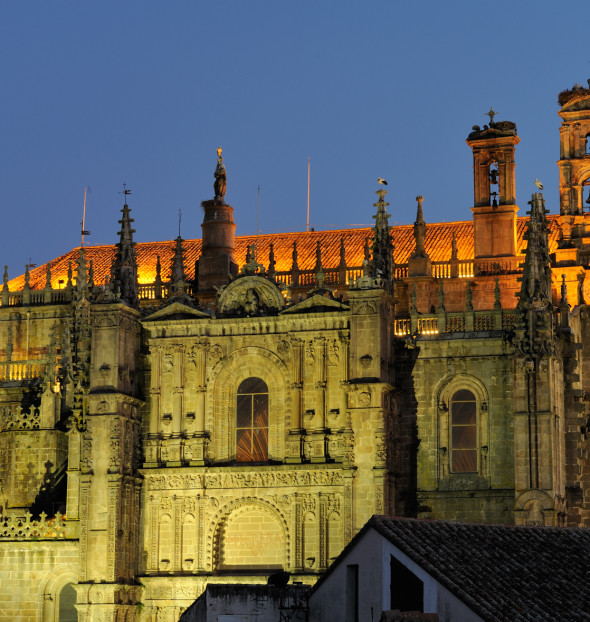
(168, 422)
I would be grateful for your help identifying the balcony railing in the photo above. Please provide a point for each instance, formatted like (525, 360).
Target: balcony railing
(22, 370)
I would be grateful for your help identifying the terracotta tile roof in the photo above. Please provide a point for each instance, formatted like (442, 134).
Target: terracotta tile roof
(438, 246)
(501, 572)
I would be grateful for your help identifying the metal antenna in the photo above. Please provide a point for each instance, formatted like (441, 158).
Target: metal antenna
(258, 211)
(308, 175)
(257, 225)
(83, 223)
(179, 220)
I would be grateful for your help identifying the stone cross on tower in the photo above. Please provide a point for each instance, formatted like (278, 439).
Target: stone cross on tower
(492, 113)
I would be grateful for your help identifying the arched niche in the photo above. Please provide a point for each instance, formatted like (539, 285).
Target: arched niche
(223, 383)
(250, 534)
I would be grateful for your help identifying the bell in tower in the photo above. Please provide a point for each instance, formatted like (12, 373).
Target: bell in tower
(494, 208)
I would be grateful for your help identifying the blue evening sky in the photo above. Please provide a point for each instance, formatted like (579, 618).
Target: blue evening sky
(101, 93)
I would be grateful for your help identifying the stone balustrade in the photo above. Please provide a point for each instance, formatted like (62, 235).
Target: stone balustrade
(22, 370)
(43, 528)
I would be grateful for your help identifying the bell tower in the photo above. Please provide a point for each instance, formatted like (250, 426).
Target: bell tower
(574, 167)
(494, 208)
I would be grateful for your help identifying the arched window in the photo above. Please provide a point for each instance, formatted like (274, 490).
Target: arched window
(463, 432)
(587, 146)
(252, 421)
(67, 604)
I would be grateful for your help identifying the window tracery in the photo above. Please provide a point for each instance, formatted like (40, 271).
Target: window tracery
(463, 428)
(463, 432)
(252, 421)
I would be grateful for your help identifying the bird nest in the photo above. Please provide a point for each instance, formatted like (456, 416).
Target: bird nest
(573, 93)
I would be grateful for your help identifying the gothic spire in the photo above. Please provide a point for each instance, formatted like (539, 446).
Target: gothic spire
(294, 265)
(271, 261)
(178, 275)
(342, 263)
(318, 257)
(534, 329)
(382, 248)
(81, 273)
(125, 265)
(535, 287)
(420, 230)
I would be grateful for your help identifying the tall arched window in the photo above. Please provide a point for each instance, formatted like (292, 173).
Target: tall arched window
(252, 421)
(463, 432)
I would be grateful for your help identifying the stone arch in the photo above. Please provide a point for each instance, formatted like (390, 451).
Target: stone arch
(223, 383)
(59, 578)
(581, 176)
(242, 507)
(534, 507)
(444, 392)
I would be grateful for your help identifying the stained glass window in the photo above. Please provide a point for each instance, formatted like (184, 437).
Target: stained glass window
(463, 432)
(252, 421)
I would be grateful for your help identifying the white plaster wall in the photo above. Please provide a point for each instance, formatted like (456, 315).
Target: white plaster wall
(372, 554)
(328, 603)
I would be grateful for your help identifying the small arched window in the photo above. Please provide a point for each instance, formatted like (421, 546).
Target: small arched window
(463, 432)
(252, 421)
(67, 604)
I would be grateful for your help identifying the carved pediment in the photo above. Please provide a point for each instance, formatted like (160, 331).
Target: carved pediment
(176, 311)
(317, 303)
(250, 296)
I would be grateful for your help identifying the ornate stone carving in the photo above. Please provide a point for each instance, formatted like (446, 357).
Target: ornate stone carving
(253, 479)
(283, 347)
(167, 363)
(250, 296)
(216, 351)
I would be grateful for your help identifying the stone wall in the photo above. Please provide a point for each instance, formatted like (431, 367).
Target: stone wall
(443, 366)
(32, 576)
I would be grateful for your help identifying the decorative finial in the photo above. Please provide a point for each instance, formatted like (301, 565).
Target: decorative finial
(271, 261)
(342, 253)
(441, 298)
(469, 297)
(563, 290)
(413, 299)
(294, 265)
(497, 297)
(219, 150)
(454, 248)
(419, 211)
(492, 113)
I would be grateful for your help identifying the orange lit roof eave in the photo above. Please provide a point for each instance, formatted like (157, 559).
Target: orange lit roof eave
(101, 254)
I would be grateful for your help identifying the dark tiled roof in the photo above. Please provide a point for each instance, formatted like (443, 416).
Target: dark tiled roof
(501, 572)
(438, 247)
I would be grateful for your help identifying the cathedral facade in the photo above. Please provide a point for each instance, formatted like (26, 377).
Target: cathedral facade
(215, 410)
